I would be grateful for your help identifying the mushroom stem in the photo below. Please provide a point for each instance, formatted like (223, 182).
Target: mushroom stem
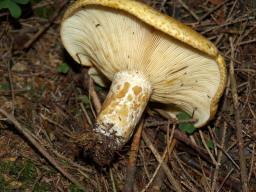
(121, 111)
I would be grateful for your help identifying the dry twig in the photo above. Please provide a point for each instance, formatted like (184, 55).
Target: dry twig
(94, 96)
(189, 10)
(207, 148)
(212, 10)
(216, 171)
(112, 180)
(170, 144)
(46, 27)
(168, 173)
(186, 173)
(169, 148)
(239, 132)
(185, 139)
(131, 167)
(225, 179)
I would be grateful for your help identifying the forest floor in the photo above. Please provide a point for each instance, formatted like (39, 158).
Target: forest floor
(46, 98)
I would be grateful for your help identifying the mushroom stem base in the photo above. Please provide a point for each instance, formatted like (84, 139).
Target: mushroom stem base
(99, 147)
(120, 113)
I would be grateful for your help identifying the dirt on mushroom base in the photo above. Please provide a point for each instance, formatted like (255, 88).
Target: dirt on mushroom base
(48, 103)
(97, 147)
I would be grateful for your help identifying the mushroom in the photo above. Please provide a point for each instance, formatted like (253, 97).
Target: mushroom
(148, 56)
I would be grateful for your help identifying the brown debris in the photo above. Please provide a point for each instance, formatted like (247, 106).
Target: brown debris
(58, 109)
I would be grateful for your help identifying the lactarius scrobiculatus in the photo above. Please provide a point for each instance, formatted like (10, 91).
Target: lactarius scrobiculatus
(148, 56)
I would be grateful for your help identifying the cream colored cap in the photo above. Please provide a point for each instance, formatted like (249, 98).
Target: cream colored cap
(183, 67)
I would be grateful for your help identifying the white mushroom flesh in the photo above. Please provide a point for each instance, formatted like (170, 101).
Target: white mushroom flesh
(124, 105)
(114, 41)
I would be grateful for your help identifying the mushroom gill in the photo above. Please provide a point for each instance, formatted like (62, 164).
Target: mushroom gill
(144, 64)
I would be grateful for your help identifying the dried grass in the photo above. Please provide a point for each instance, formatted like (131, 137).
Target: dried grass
(53, 106)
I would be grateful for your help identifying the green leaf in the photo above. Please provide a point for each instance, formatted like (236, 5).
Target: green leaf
(14, 9)
(3, 4)
(23, 2)
(4, 86)
(183, 116)
(210, 144)
(63, 68)
(186, 127)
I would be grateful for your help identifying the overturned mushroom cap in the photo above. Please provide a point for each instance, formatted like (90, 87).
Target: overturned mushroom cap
(129, 42)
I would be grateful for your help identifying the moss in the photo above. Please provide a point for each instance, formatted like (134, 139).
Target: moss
(5, 166)
(2, 184)
(20, 171)
(74, 188)
(42, 187)
(28, 171)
